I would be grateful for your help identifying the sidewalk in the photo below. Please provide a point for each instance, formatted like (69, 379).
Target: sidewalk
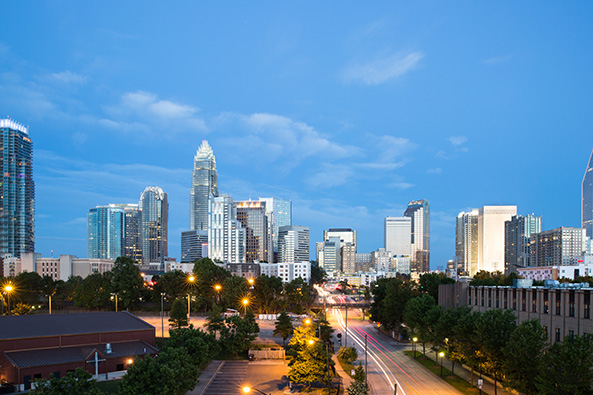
(205, 378)
(345, 376)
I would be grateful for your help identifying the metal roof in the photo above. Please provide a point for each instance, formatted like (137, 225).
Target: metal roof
(43, 325)
(77, 354)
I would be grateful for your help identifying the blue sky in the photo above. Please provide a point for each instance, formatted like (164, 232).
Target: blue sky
(349, 109)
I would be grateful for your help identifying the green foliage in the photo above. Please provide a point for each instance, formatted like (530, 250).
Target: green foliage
(347, 354)
(29, 285)
(493, 330)
(126, 281)
(308, 362)
(200, 346)
(298, 295)
(359, 374)
(178, 315)
(267, 292)
(357, 388)
(429, 283)
(317, 273)
(21, 309)
(79, 382)
(233, 289)
(493, 278)
(238, 333)
(391, 296)
(214, 321)
(283, 327)
(173, 284)
(94, 292)
(422, 315)
(171, 373)
(567, 367)
(523, 356)
(207, 275)
(324, 329)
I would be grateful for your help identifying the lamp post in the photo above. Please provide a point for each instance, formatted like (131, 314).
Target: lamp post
(217, 288)
(114, 295)
(191, 280)
(8, 289)
(162, 314)
(442, 355)
(245, 303)
(366, 362)
(247, 389)
(414, 340)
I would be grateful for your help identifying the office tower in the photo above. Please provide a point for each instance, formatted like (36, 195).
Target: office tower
(279, 212)
(491, 221)
(364, 262)
(226, 236)
(192, 245)
(398, 238)
(132, 239)
(587, 199)
(105, 232)
(329, 256)
(155, 225)
(293, 244)
(381, 260)
(204, 185)
(258, 240)
(346, 235)
(516, 240)
(419, 212)
(466, 243)
(348, 258)
(17, 201)
(556, 247)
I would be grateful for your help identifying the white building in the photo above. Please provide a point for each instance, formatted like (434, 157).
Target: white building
(491, 233)
(63, 267)
(398, 235)
(287, 271)
(293, 243)
(226, 236)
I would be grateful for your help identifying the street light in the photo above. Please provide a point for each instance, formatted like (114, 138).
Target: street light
(245, 302)
(251, 281)
(191, 280)
(162, 315)
(415, 339)
(114, 295)
(217, 288)
(247, 389)
(8, 289)
(442, 355)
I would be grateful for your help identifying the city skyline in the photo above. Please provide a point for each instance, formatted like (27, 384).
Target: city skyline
(349, 120)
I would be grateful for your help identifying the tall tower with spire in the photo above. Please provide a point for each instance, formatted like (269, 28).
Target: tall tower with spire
(587, 198)
(204, 185)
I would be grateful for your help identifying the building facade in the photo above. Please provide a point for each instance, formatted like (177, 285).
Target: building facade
(419, 212)
(329, 255)
(491, 232)
(348, 253)
(155, 225)
(293, 244)
(279, 212)
(192, 245)
(105, 232)
(587, 199)
(398, 239)
(17, 200)
(258, 239)
(226, 236)
(517, 234)
(132, 231)
(204, 186)
(557, 247)
(466, 243)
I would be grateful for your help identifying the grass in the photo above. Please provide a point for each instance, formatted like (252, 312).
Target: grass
(346, 366)
(455, 381)
(109, 387)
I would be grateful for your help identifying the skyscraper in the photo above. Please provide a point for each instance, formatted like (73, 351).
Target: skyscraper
(587, 199)
(155, 224)
(17, 201)
(419, 212)
(491, 221)
(193, 243)
(293, 244)
(204, 185)
(516, 240)
(105, 232)
(557, 247)
(279, 212)
(258, 241)
(226, 236)
(466, 243)
(132, 231)
(398, 238)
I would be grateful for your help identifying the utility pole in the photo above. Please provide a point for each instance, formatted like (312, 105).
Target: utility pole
(346, 331)
(366, 362)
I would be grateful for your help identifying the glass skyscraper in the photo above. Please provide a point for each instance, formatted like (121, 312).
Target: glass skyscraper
(517, 232)
(155, 222)
(105, 232)
(204, 184)
(587, 199)
(419, 211)
(258, 243)
(279, 212)
(17, 201)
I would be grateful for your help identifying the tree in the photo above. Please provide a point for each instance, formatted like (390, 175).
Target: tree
(207, 275)
(233, 290)
(523, 355)
(178, 315)
(308, 357)
(283, 327)
(238, 333)
(421, 315)
(357, 388)
(173, 284)
(93, 292)
(493, 329)
(78, 382)
(65, 290)
(214, 321)
(391, 296)
(567, 367)
(200, 346)
(348, 354)
(267, 292)
(464, 333)
(29, 285)
(317, 273)
(429, 283)
(126, 281)
(21, 309)
(299, 295)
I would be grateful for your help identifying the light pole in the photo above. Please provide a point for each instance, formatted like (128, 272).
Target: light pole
(162, 314)
(191, 280)
(114, 295)
(442, 355)
(366, 362)
(346, 331)
(247, 389)
(414, 340)
(8, 289)
(245, 303)
(217, 288)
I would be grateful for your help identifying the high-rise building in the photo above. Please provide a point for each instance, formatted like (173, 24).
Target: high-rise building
(419, 212)
(557, 247)
(587, 199)
(348, 258)
(132, 231)
(105, 232)
(516, 240)
(491, 233)
(466, 243)
(346, 235)
(293, 244)
(17, 200)
(204, 185)
(192, 245)
(226, 236)
(258, 241)
(154, 207)
(279, 212)
(398, 238)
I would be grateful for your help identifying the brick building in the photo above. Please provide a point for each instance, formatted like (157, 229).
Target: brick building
(103, 343)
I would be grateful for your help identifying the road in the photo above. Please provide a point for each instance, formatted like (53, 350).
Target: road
(387, 363)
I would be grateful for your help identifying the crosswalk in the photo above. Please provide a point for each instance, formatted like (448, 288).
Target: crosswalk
(228, 379)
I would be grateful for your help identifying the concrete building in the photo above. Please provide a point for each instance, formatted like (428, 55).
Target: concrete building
(279, 212)
(582, 268)
(401, 264)
(491, 233)
(557, 247)
(381, 260)
(258, 239)
(364, 262)
(398, 235)
(226, 236)
(192, 245)
(329, 256)
(61, 268)
(132, 231)
(419, 212)
(17, 197)
(348, 253)
(466, 243)
(517, 240)
(287, 271)
(155, 224)
(246, 270)
(293, 244)
(204, 186)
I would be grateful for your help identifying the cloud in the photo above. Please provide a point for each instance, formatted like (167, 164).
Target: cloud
(436, 170)
(330, 175)
(68, 77)
(401, 185)
(497, 59)
(383, 69)
(457, 140)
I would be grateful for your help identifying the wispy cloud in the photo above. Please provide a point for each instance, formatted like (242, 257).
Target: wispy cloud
(497, 59)
(383, 69)
(401, 185)
(457, 140)
(67, 77)
(330, 175)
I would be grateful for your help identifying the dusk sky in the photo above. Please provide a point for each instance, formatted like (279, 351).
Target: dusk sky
(349, 109)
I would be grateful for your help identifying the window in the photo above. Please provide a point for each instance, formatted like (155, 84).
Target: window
(571, 334)
(524, 300)
(514, 299)
(482, 297)
(557, 302)
(497, 298)
(489, 298)
(533, 301)
(587, 304)
(546, 303)
(557, 337)
(546, 331)
(571, 304)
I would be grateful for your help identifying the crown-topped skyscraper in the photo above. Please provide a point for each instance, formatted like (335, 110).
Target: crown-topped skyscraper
(204, 184)
(587, 198)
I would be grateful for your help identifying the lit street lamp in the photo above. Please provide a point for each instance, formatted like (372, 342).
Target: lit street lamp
(8, 290)
(245, 303)
(162, 315)
(114, 295)
(442, 355)
(217, 288)
(191, 280)
(414, 340)
(247, 389)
